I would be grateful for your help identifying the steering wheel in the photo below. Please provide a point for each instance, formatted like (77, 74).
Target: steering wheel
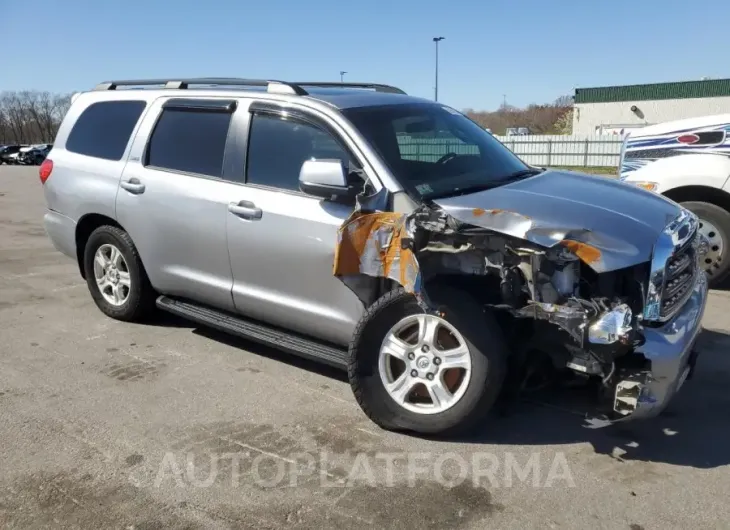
(446, 158)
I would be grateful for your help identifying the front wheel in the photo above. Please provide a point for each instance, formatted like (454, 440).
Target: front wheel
(427, 373)
(715, 226)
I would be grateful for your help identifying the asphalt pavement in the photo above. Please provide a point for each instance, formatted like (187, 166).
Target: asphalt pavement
(167, 425)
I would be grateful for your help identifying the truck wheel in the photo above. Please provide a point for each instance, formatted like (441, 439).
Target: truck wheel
(115, 275)
(715, 226)
(427, 373)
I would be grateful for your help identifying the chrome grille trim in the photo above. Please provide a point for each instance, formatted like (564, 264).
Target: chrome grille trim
(674, 268)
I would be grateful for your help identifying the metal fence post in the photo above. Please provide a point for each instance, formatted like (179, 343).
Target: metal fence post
(585, 158)
(549, 151)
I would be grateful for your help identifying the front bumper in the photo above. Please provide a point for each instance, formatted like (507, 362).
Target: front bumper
(671, 351)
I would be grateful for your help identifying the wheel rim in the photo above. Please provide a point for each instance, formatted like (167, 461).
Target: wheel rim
(112, 275)
(711, 260)
(425, 364)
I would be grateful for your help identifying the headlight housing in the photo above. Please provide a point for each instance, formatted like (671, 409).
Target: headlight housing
(611, 327)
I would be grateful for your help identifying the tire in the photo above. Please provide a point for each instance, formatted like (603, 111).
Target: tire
(140, 296)
(715, 224)
(482, 336)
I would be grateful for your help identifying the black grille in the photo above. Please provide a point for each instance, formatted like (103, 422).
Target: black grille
(680, 274)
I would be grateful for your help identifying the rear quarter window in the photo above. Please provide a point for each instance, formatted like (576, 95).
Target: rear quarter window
(104, 128)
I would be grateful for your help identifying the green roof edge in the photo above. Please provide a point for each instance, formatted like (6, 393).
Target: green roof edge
(707, 88)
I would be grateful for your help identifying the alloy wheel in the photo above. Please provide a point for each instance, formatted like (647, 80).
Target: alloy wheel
(425, 364)
(112, 274)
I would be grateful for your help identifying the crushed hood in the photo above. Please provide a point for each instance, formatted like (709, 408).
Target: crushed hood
(608, 224)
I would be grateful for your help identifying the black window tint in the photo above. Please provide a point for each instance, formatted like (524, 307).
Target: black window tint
(278, 148)
(104, 128)
(190, 141)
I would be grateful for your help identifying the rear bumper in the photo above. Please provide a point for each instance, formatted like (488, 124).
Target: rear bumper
(62, 232)
(671, 352)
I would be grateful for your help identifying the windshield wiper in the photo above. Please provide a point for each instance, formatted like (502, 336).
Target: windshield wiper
(523, 173)
(465, 190)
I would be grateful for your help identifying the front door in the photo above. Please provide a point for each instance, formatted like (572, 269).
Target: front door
(282, 242)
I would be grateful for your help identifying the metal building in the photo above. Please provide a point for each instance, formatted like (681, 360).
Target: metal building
(613, 109)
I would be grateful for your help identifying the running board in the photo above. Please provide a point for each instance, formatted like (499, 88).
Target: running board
(255, 331)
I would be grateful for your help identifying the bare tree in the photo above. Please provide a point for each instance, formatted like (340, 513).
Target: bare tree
(564, 101)
(30, 116)
(539, 119)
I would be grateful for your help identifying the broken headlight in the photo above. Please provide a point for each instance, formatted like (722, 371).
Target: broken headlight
(703, 245)
(613, 326)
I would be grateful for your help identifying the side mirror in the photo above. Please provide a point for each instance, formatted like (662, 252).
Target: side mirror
(326, 179)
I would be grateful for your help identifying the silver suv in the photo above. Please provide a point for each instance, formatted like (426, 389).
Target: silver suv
(384, 234)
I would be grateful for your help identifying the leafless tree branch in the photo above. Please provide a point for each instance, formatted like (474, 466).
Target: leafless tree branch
(30, 117)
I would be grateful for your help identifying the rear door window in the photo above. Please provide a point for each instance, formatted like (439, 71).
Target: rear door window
(104, 128)
(190, 141)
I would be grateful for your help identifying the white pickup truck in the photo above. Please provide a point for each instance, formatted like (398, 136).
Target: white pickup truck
(689, 162)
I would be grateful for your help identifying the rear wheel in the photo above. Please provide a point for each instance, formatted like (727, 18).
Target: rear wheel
(115, 275)
(715, 226)
(427, 373)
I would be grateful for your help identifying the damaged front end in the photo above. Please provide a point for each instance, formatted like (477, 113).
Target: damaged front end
(576, 296)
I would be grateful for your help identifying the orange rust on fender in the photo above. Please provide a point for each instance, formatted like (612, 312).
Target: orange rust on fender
(587, 253)
(478, 212)
(352, 244)
(354, 236)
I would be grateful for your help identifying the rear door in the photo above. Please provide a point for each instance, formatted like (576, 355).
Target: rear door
(173, 198)
(281, 241)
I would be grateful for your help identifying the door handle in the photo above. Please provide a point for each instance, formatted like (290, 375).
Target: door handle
(132, 185)
(245, 209)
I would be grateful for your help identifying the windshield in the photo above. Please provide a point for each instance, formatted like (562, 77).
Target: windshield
(435, 151)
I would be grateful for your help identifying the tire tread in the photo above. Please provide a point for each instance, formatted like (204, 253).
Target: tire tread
(467, 310)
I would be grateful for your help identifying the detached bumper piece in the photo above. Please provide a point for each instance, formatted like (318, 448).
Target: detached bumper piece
(670, 349)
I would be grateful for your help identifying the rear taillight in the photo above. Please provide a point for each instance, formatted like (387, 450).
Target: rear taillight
(45, 170)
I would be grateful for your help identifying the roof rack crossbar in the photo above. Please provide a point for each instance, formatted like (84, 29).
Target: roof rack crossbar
(270, 84)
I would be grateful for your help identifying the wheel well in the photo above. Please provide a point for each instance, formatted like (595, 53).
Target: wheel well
(714, 196)
(86, 225)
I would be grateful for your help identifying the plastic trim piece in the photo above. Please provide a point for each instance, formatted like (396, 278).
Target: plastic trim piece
(209, 105)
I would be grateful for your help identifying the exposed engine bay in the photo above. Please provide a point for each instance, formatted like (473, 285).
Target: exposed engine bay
(555, 300)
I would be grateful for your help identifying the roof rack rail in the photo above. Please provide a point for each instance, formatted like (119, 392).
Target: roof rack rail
(378, 87)
(271, 85)
(280, 87)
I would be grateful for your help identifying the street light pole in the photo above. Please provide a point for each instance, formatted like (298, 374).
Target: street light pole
(342, 76)
(436, 40)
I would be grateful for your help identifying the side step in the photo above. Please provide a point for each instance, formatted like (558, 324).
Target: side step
(255, 331)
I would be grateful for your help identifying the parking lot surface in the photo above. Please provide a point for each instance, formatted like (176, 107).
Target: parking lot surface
(165, 425)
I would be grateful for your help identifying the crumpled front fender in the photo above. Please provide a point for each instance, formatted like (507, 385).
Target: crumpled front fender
(377, 245)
